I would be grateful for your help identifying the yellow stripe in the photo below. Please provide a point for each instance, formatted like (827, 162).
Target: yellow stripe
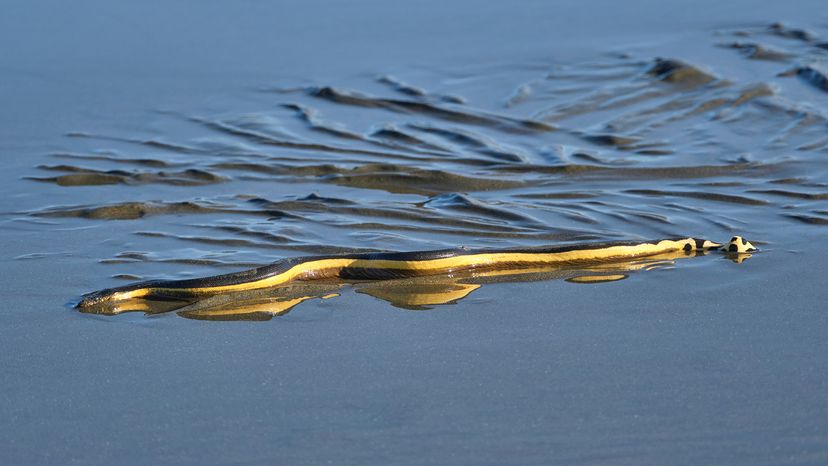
(272, 307)
(597, 278)
(447, 264)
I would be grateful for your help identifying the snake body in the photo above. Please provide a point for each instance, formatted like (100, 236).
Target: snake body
(393, 265)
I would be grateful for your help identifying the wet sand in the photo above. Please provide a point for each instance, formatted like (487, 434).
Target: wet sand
(271, 132)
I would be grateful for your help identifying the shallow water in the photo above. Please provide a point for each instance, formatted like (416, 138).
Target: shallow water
(269, 132)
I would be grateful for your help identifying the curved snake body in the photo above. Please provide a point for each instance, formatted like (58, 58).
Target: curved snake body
(384, 266)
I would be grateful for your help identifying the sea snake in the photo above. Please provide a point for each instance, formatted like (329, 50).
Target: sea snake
(391, 265)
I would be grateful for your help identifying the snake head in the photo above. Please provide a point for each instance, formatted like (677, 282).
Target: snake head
(90, 300)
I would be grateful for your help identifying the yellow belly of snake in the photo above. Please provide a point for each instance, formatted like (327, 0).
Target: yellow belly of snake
(385, 266)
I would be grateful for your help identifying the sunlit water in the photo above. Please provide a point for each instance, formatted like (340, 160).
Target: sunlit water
(714, 130)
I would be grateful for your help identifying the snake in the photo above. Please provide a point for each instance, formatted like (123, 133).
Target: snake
(396, 265)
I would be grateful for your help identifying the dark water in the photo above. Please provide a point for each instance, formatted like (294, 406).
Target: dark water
(160, 141)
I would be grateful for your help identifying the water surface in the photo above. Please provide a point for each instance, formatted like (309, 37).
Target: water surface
(271, 131)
